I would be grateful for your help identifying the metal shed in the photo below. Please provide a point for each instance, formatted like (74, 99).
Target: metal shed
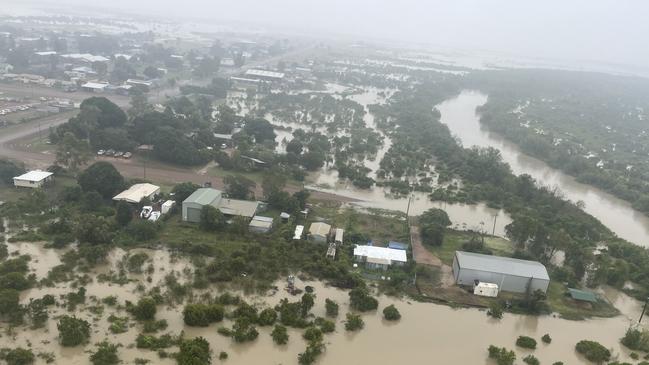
(513, 275)
(193, 205)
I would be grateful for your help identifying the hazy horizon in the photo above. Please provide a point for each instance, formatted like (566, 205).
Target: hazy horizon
(604, 31)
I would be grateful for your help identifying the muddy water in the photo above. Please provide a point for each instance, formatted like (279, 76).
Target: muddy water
(425, 332)
(459, 114)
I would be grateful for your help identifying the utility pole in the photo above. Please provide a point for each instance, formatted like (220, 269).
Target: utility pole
(643, 310)
(493, 232)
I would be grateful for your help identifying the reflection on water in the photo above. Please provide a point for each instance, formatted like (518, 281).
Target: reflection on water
(618, 215)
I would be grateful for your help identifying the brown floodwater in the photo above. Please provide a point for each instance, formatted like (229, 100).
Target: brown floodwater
(427, 333)
(459, 114)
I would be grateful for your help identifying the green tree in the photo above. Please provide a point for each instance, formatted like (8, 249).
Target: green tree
(182, 191)
(139, 105)
(123, 213)
(260, 129)
(72, 152)
(103, 178)
(502, 355)
(9, 170)
(354, 322)
(331, 307)
(238, 186)
(212, 219)
(306, 303)
(391, 313)
(267, 317)
(145, 309)
(9, 302)
(593, 351)
(194, 352)
(73, 331)
(94, 230)
(19, 356)
(106, 354)
(526, 342)
(360, 299)
(433, 223)
(110, 115)
(279, 335)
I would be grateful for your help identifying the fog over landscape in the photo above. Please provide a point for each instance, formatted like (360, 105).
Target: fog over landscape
(577, 34)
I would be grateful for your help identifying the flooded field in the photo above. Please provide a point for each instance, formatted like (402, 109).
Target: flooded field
(460, 116)
(425, 332)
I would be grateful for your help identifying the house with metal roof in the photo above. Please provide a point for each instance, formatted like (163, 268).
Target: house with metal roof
(137, 192)
(193, 205)
(259, 224)
(512, 275)
(319, 232)
(264, 75)
(33, 179)
(376, 257)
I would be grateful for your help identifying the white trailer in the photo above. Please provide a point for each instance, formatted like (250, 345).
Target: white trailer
(485, 289)
(166, 206)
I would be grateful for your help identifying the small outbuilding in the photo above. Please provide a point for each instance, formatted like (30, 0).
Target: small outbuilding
(33, 179)
(299, 230)
(379, 257)
(485, 289)
(167, 206)
(259, 224)
(338, 236)
(137, 192)
(319, 232)
(512, 275)
(582, 295)
(397, 245)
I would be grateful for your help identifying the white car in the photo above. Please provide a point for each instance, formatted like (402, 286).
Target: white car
(146, 212)
(154, 216)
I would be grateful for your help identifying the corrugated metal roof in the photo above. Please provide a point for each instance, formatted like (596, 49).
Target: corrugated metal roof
(36, 175)
(243, 208)
(203, 196)
(373, 252)
(501, 265)
(264, 73)
(582, 295)
(319, 229)
(137, 192)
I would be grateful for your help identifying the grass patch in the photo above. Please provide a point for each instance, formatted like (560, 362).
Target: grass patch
(569, 309)
(453, 241)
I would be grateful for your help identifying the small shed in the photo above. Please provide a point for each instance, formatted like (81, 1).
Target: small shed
(319, 232)
(485, 289)
(338, 236)
(166, 206)
(299, 230)
(33, 179)
(193, 205)
(397, 245)
(260, 224)
(137, 192)
(284, 217)
(582, 295)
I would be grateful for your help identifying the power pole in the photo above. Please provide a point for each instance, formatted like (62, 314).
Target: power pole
(493, 232)
(643, 310)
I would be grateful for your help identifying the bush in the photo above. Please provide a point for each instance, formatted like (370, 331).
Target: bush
(502, 355)
(154, 343)
(526, 342)
(243, 331)
(636, 339)
(279, 335)
(391, 313)
(495, 310)
(223, 355)
(313, 350)
(331, 307)
(201, 315)
(325, 325)
(18, 356)
(531, 360)
(106, 354)
(73, 331)
(145, 309)
(194, 352)
(360, 299)
(546, 338)
(155, 326)
(593, 351)
(354, 322)
(312, 334)
(267, 317)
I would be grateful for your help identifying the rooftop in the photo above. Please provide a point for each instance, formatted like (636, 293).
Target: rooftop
(94, 85)
(265, 73)
(244, 208)
(319, 229)
(137, 192)
(584, 296)
(204, 196)
(375, 254)
(502, 265)
(36, 175)
(397, 245)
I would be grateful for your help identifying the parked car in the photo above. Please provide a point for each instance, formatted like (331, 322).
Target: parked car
(127, 155)
(100, 152)
(119, 154)
(146, 212)
(109, 153)
(154, 216)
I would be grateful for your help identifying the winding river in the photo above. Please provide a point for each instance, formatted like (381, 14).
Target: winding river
(459, 114)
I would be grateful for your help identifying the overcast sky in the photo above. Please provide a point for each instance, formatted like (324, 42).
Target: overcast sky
(615, 31)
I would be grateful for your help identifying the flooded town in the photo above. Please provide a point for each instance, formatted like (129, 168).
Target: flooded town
(266, 187)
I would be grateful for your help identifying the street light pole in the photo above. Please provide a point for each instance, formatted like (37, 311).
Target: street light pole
(643, 310)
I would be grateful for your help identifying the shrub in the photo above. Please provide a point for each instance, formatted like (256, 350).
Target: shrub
(526, 342)
(106, 354)
(73, 331)
(495, 310)
(154, 343)
(145, 309)
(223, 355)
(194, 352)
(243, 331)
(201, 315)
(18, 356)
(312, 334)
(636, 339)
(531, 360)
(325, 325)
(360, 299)
(502, 355)
(313, 350)
(279, 335)
(267, 317)
(331, 307)
(354, 322)
(224, 331)
(546, 338)
(155, 326)
(391, 313)
(593, 351)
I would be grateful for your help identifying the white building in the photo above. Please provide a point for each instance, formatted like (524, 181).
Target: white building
(264, 75)
(259, 224)
(338, 236)
(33, 179)
(94, 87)
(299, 230)
(137, 193)
(379, 257)
(319, 232)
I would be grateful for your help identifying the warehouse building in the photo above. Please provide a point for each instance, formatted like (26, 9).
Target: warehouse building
(193, 205)
(512, 275)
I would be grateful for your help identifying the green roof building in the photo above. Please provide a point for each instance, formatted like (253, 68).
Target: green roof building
(582, 295)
